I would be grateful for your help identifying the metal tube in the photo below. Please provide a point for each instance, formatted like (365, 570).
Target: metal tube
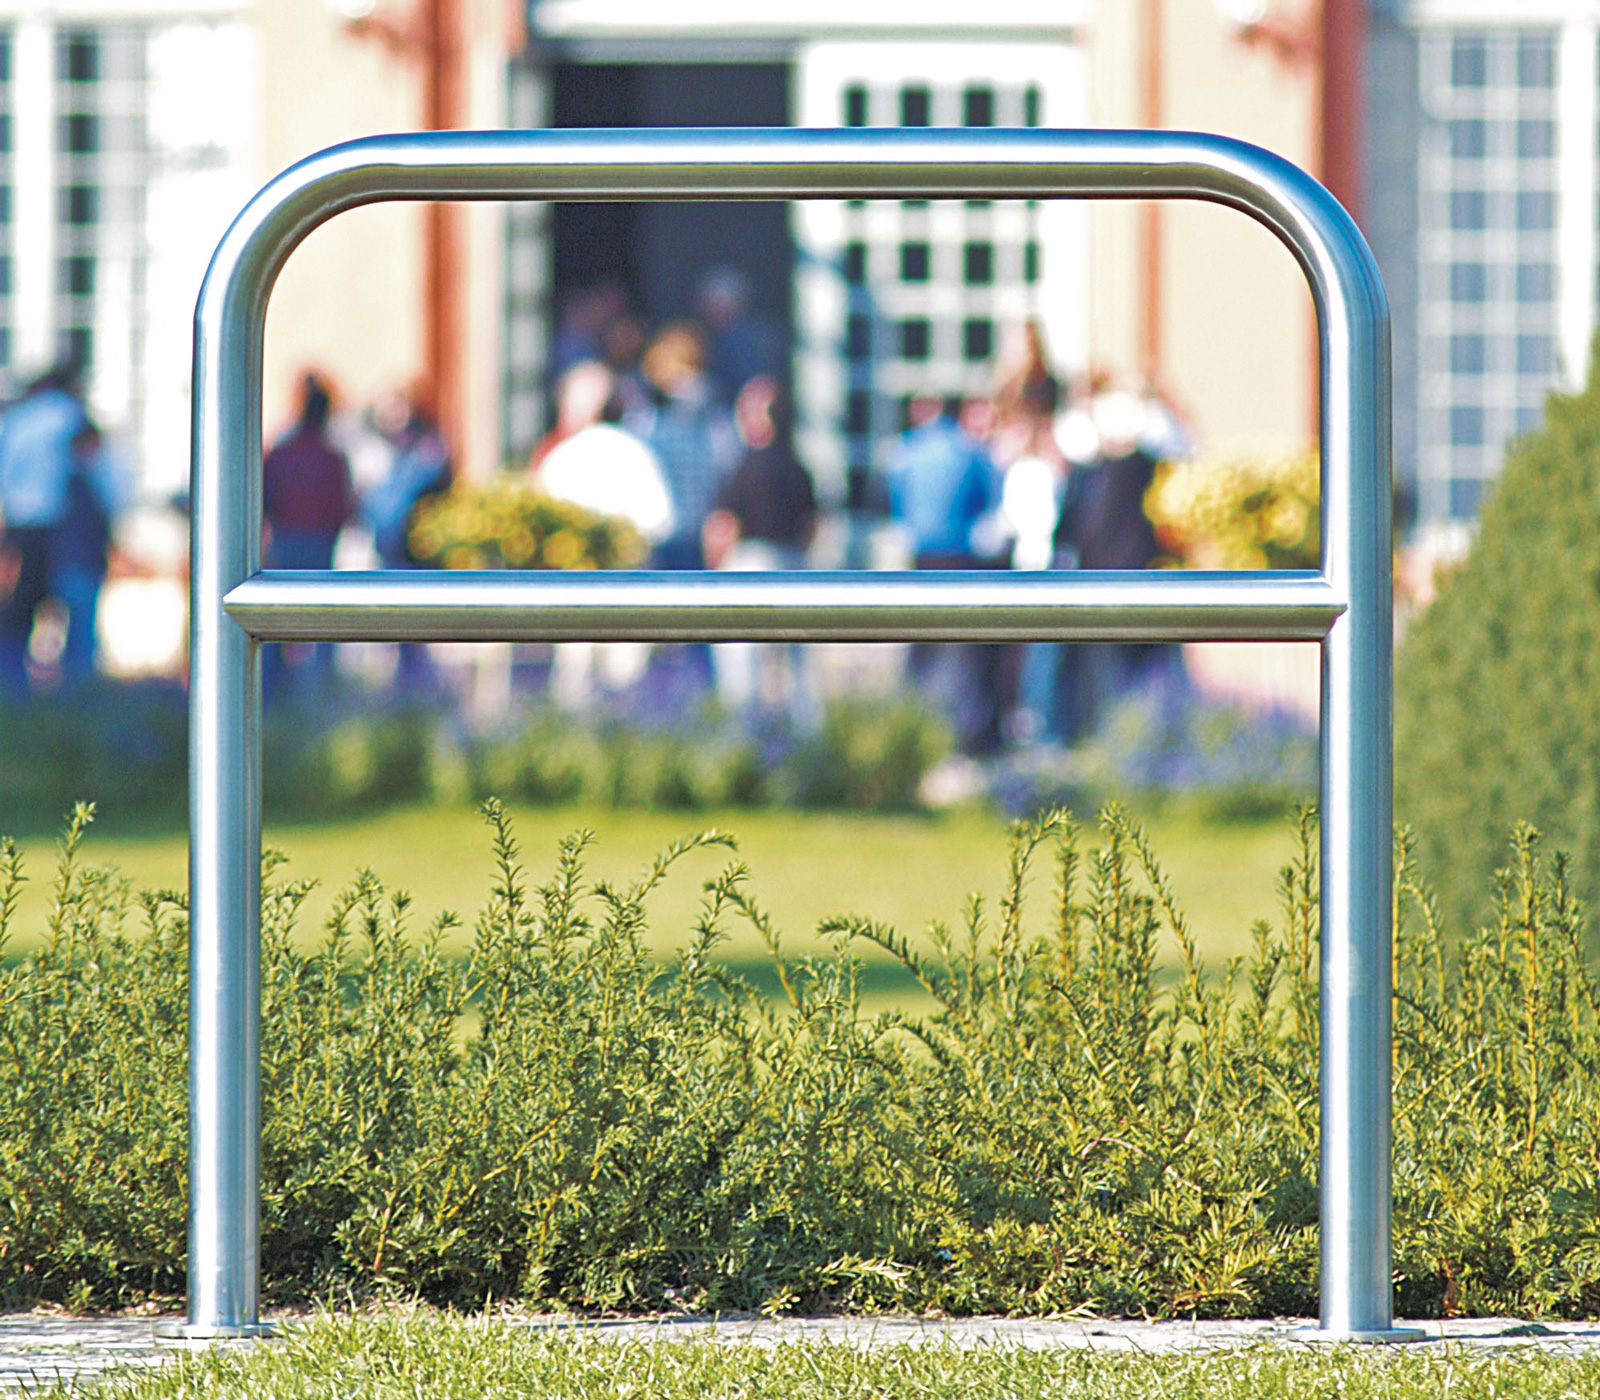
(233, 605)
(993, 606)
(1357, 815)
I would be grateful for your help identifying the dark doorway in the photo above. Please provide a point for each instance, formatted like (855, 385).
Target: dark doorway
(658, 253)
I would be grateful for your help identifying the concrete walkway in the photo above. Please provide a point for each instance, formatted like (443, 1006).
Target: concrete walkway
(37, 1349)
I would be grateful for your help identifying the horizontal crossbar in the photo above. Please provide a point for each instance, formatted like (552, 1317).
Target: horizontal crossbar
(956, 606)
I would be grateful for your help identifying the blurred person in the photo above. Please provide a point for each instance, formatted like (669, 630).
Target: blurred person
(601, 466)
(942, 487)
(1103, 526)
(581, 324)
(307, 498)
(763, 519)
(1022, 375)
(691, 435)
(1074, 428)
(581, 394)
(1034, 476)
(1034, 485)
(942, 483)
(419, 468)
(623, 344)
(604, 468)
(744, 344)
(99, 487)
(37, 463)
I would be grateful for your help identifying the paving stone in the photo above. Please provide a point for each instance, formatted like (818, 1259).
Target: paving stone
(39, 1349)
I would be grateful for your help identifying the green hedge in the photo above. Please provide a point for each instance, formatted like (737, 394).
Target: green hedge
(128, 746)
(560, 1119)
(1497, 683)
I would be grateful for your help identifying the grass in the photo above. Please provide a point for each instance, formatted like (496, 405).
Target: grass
(443, 1358)
(904, 871)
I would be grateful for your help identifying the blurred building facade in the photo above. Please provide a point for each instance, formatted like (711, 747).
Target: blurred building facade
(884, 298)
(132, 130)
(1482, 210)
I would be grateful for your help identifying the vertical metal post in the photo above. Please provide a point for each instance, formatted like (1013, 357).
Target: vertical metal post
(1357, 826)
(224, 826)
(234, 605)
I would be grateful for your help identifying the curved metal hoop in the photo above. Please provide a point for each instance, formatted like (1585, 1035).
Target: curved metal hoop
(1345, 606)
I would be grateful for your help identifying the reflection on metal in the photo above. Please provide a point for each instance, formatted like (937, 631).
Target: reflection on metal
(1346, 606)
(1111, 606)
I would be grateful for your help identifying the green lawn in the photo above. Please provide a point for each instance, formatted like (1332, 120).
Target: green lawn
(375, 1359)
(904, 871)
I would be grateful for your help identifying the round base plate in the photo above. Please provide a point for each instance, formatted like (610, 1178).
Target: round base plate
(212, 1332)
(1382, 1336)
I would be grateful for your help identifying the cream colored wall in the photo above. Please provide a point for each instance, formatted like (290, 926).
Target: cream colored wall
(348, 300)
(1237, 325)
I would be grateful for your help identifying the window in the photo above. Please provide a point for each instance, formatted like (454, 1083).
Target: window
(77, 276)
(1536, 140)
(1487, 202)
(80, 133)
(1536, 282)
(858, 412)
(977, 107)
(1536, 209)
(1469, 209)
(1464, 498)
(1467, 354)
(80, 59)
(1468, 282)
(1469, 139)
(914, 262)
(1466, 426)
(1536, 354)
(1469, 63)
(977, 264)
(977, 339)
(79, 204)
(925, 288)
(858, 336)
(1536, 62)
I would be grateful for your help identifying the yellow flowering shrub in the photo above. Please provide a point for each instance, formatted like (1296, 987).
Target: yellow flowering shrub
(507, 523)
(1239, 508)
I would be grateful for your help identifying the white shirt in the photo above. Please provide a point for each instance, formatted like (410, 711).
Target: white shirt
(609, 471)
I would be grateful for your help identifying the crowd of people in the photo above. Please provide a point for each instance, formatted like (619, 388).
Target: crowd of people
(688, 433)
(1030, 477)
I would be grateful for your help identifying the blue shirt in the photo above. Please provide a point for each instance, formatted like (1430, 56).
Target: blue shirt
(941, 483)
(36, 457)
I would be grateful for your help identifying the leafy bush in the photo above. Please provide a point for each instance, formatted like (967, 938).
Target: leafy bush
(1495, 714)
(869, 755)
(507, 523)
(1165, 748)
(58, 749)
(130, 745)
(559, 1118)
(1239, 509)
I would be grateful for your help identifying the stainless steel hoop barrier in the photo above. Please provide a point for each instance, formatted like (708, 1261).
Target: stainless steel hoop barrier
(235, 605)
